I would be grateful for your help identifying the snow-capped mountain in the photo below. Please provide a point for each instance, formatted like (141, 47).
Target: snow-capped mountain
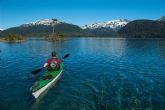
(162, 18)
(47, 22)
(114, 24)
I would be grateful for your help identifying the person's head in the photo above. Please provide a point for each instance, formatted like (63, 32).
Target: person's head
(53, 54)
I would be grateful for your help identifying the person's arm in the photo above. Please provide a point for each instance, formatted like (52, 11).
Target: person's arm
(45, 65)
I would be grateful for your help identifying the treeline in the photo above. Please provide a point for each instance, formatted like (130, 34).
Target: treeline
(143, 29)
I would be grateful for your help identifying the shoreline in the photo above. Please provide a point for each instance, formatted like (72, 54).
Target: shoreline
(12, 38)
(43, 38)
(67, 38)
(17, 41)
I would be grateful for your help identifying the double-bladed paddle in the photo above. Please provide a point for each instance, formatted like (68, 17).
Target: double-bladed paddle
(33, 73)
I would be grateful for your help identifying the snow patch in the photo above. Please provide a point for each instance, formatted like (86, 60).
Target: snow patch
(162, 18)
(43, 22)
(108, 24)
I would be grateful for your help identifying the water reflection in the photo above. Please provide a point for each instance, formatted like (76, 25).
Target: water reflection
(111, 47)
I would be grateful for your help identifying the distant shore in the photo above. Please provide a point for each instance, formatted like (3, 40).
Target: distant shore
(2, 39)
(13, 38)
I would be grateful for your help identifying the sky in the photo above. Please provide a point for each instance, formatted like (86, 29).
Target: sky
(80, 12)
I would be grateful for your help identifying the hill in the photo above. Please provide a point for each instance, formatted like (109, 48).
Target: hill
(143, 29)
(43, 28)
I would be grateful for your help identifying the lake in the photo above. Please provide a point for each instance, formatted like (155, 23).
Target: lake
(100, 74)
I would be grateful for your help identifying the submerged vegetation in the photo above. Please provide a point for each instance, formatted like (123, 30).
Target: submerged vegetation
(55, 37)
(13, 38)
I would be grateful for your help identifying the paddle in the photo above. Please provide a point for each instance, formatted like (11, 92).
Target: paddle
(67, 55)
(33, 73)
(37, 70)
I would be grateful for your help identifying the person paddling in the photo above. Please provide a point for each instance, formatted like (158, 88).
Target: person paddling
(53, 63)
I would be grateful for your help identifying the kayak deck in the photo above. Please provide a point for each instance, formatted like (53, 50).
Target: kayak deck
(47, 77)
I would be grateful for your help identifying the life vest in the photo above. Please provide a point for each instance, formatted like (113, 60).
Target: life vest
(53, 64)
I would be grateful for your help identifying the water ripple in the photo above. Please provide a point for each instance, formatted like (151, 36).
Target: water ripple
(100, 74)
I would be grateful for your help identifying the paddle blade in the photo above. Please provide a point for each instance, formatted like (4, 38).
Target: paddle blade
(36, 71)
(31, 76)
(67, 55)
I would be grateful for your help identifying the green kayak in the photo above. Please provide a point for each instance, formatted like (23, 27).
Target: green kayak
(49, 78)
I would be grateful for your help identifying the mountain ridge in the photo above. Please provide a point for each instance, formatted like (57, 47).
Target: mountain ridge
(46, 22)
(144, 29)
(44, 27)
(162, 18)
(113, 24)
(117, 28)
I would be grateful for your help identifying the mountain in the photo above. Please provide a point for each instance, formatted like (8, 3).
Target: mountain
(105, 29)
(101, 32)
(44, 27)
(144, 29)
(162, 18)
(112, 24)
(46, 22)
(112, 28)
(1, 30)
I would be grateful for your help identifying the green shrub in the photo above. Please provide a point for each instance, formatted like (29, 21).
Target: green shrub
(14, 38)
(55, 37)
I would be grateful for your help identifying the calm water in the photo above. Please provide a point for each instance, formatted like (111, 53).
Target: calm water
(100, 74)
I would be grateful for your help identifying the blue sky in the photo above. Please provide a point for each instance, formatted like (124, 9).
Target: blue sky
(79, 12)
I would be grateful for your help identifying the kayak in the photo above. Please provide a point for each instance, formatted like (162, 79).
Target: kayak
(49, 78)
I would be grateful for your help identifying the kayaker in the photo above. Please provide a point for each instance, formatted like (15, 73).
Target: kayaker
(53, 63)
